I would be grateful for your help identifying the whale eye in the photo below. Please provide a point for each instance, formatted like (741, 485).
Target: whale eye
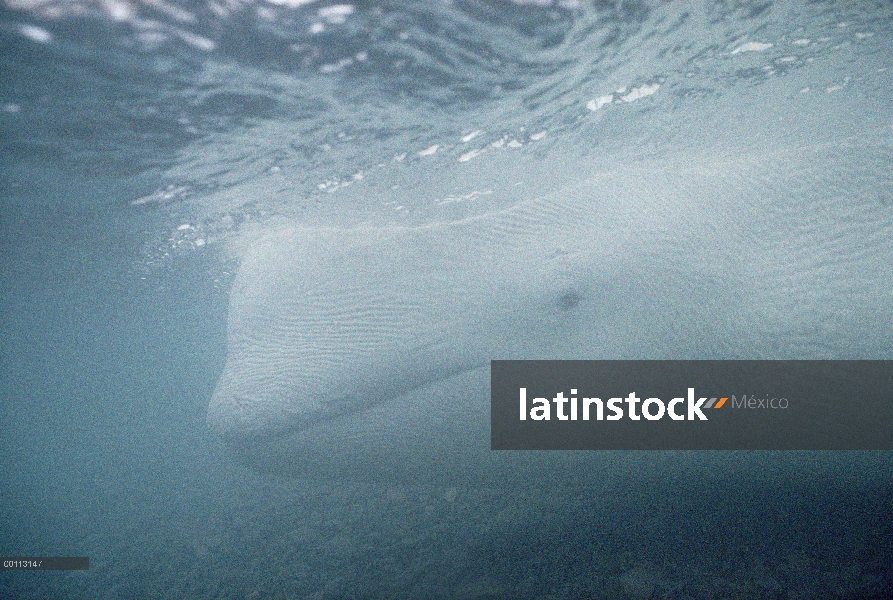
(569, 299)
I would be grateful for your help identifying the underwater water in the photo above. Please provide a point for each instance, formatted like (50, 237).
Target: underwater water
(147, 147)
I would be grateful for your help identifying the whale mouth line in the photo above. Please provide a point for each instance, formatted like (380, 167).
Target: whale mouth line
(259, 426)
(287, 423)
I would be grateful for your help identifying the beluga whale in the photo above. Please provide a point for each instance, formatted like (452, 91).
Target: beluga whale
(363, 352)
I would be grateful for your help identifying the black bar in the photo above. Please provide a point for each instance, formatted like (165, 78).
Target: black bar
(44, 563)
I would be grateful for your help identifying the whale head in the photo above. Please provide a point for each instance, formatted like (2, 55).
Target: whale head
(363, 352)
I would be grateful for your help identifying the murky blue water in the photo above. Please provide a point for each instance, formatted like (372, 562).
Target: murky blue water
(144, 143)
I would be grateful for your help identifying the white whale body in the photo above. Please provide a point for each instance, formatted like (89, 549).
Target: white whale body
(363, 353)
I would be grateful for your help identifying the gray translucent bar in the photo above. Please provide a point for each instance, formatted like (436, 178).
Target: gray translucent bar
(692, 405)
(44, 563)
